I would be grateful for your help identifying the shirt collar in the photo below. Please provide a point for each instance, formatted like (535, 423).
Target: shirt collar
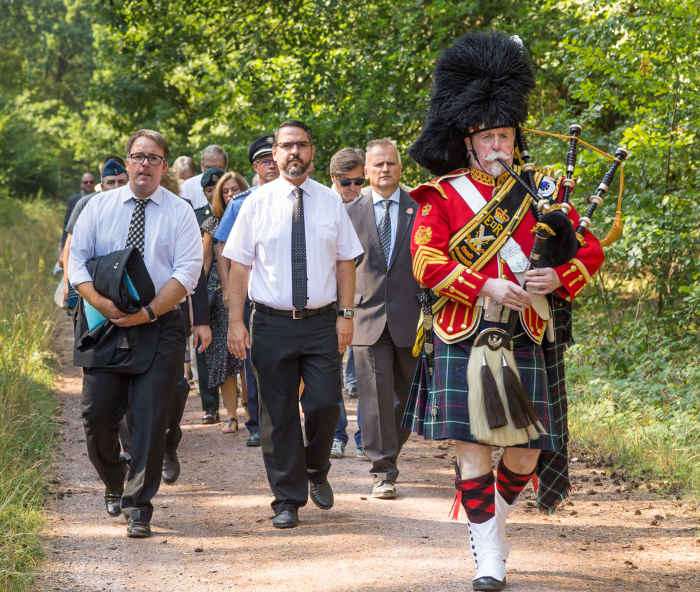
(376, 198)
(156, 197)
(288, 188)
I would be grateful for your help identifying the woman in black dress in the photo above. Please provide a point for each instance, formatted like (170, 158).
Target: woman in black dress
(224, 368)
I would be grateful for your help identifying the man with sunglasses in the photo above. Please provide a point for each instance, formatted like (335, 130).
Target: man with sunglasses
(164, 229)
(387, 310)
(347, 175)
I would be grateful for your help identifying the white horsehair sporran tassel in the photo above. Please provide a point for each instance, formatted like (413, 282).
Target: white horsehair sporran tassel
(500, 413)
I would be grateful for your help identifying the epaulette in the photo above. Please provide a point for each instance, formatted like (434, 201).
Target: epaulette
(435, 184)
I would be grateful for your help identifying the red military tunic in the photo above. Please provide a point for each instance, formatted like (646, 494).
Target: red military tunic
(443, 212)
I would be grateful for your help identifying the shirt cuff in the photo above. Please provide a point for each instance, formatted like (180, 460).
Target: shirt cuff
(78, 277)
(187, 282)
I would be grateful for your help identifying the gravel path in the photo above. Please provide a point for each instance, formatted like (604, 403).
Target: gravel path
(212, 529)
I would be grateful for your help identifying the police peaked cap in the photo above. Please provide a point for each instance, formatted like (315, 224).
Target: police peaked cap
(261, 147)
(479, 83)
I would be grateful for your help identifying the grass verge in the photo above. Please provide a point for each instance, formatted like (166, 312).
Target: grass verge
(28, 233)
(633, 398)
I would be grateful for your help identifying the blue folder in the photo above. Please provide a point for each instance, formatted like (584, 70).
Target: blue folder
(94, 317)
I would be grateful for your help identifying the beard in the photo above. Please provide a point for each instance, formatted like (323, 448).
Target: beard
(295, 167)
(494, 167)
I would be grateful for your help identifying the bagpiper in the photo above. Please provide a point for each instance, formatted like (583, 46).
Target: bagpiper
(498, 325)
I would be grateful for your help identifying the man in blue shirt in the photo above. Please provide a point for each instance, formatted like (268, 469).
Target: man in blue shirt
(260, 156)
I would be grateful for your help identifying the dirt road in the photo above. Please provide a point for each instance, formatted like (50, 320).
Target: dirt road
(212, 529)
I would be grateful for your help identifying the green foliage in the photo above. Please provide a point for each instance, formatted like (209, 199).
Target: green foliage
(633, 393)
(76, 76)
(27, 431)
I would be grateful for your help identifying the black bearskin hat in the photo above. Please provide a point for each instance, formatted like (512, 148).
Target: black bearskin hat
(481, 82)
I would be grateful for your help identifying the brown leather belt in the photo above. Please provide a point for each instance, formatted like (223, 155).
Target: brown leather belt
(294, 314)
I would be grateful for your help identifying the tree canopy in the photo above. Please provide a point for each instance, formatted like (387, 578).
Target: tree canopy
(77, 76)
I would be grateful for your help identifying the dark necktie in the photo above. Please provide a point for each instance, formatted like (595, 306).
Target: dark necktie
(137, 226)
(298, 252)
(385, 229)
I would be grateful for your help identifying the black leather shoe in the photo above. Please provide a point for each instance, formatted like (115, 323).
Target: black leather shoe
(210, 417)
(488, 583)
(321, 494)
(137, 529)
(113, 503)
(171, 467)
(253, 440)
(286, 519)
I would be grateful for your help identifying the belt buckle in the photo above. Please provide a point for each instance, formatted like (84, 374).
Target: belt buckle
(297, 314)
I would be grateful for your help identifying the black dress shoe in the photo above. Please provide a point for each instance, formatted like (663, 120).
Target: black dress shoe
(113, 503)
(210, 417)
(488, 583)
(253, 440)
(286, 519)
(321, 494)
(171, 467)
(138, 529)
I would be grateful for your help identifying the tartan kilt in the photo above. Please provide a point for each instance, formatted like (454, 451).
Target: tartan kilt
(437, 406)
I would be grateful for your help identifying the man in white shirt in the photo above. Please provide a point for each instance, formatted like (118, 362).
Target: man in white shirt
(164, 229)
(191, 189)
(297, 237)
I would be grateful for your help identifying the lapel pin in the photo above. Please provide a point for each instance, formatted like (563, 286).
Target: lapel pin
(409, 211)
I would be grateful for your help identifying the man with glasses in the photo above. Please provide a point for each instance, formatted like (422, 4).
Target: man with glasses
(387, 313)
(301, 244)
(260, 156)
(164, 229)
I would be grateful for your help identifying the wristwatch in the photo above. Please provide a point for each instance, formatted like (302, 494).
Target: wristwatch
(152, 318)
(346, 313)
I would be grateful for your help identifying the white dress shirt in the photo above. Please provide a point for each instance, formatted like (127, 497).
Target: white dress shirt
(191, 190)
(262, 237)
(172, 241)
(393, 213)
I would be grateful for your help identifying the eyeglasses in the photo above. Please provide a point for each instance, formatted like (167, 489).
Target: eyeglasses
(289, 146)
(265, 161)
(114, 182)
(141, 158)
(359, 181)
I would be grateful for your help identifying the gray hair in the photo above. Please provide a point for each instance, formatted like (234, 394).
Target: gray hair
(214, 151)
(345, 160)
(384, 142)
(185, 163)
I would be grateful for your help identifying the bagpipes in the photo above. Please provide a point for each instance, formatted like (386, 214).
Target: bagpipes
(500, 411)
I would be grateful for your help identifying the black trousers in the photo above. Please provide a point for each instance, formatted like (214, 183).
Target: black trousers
(149, 400)
(283, 351)
(384, 374)
(173, 433)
